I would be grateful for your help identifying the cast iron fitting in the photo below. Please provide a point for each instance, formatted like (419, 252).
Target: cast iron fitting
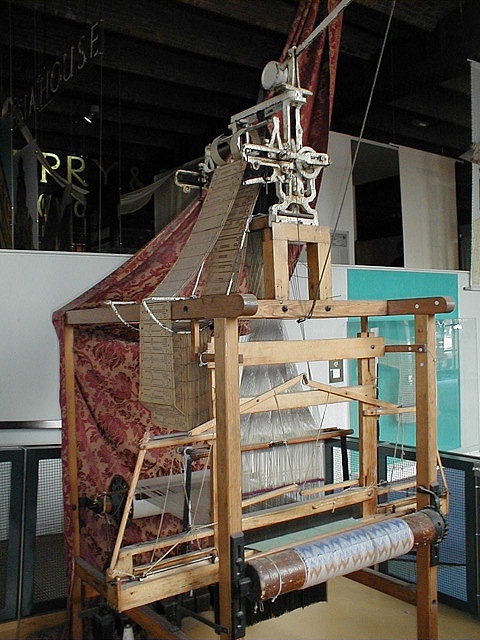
(428, 526)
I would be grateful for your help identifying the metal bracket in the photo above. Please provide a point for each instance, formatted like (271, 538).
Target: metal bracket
(434, 493)
(240, 585)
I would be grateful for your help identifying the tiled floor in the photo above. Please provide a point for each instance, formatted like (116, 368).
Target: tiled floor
(353, 611)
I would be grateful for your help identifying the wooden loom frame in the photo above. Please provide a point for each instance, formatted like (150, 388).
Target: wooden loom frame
(226, 311)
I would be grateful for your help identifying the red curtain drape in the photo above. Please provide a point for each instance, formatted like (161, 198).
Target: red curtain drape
(110, 420)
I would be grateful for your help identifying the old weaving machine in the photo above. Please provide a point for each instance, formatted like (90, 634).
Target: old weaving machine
(260, 519)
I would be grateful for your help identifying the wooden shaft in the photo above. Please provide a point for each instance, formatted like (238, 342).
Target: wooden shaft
(350, 394)
(346, 484)
(326, 435)
(126, 509)
(426, 447)
(229, 488)
(269, 495)
(69, 363)
(292, 512)
(367, 431)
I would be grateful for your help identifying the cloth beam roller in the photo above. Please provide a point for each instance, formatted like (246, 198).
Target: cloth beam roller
(317, 561)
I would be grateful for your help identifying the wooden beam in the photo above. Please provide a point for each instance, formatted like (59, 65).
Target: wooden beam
(103, 315)
(203, 307)
(215, 306)
(168, 541)
(155, 625)
(302, 399)
(288, 513)
(418, 306)
(75, 603)
(352, 308)
(91, 575)
(348, 393)
(283, 351)
(386, 584)
(229, 489)
(367, 425)
(294, 309)
(177, 27)
(126, 512)
(128, 594)
(32, 626)
(426, 448)
(231, 306)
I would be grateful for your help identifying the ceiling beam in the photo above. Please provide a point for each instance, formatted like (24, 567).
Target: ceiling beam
(274, 16)
(147, 59)
(165, 23)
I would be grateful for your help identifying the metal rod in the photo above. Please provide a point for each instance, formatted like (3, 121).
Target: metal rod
(321, 27)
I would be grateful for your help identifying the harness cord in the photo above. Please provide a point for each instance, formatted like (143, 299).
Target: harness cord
(354, 162)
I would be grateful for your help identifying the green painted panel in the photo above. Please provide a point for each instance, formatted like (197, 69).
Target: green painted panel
(384, 284)
(396, 371)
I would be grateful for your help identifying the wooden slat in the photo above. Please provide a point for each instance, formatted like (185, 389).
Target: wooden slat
(221, 306)
(351, 308)
(263, 309)
(417, 306)
(334, 486)
(302, 399)
(426, 447)
(104, 315)
(126, 511)
(278, 352)
(293, 309)
(91, 575)
(367, 438)
(128, 594)
(69, 362)
(326, 434)
(386, 584)
(312, 507)
(155, 625)
(128, 551)
(268, 495)
(229, 472)
(275, 269)
(348, 393)
(32, 626)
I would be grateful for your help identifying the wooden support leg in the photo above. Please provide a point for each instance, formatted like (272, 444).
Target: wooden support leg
(275, 260)
(229, 486)
(426, 402)
(367, 434)
(76, 595)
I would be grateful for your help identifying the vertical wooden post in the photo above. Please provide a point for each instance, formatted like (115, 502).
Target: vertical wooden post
(367, 435)
(319, 260)
(69, 363)
(426, 447)
(275, 266)
(229, 485)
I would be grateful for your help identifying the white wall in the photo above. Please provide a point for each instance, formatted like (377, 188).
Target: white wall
(32, 286)
(429, 210)
(429, 206)
(337, 185)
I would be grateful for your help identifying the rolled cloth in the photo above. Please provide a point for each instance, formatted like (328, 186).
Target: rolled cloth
(317, 561)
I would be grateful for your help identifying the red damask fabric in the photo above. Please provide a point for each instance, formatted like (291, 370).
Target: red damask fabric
(110, 420)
